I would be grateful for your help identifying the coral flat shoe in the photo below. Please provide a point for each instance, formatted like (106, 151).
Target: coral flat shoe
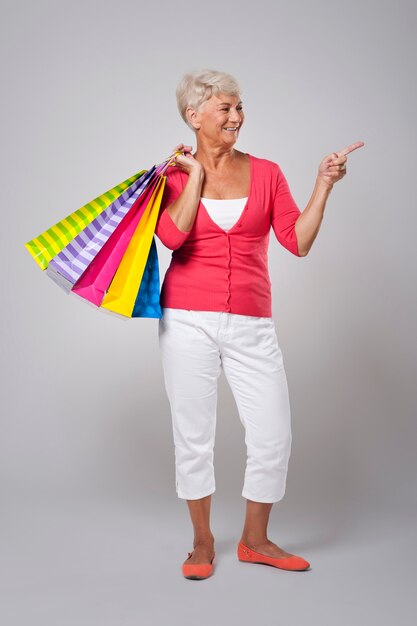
(293, 562)
(197, 571)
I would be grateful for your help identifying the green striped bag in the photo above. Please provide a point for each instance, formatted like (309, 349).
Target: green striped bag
(44, 247)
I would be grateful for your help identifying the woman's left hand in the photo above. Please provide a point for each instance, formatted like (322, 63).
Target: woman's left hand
(333, 167)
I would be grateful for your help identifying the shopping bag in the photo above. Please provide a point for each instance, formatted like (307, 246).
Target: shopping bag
(67, 266)
(98, 253)
(48, 244)
(94, 282)
(147, 303)
(123, 290)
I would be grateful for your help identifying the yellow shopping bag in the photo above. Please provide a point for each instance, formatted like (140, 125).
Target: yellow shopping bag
(122, 292)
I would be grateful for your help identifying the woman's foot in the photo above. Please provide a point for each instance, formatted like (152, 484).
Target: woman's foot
(199, 563)
(266, 547)
(268, 553)
(203, 553)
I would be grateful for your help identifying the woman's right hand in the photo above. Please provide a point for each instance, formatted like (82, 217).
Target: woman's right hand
(186, 162)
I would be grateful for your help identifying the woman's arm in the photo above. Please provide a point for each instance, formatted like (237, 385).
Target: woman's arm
(183, 211)
(180, 204)
(308, 223)
(331, 169)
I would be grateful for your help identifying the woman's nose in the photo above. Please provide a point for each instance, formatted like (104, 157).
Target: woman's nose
(234, 115)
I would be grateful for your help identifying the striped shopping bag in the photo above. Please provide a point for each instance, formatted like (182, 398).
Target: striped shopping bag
(67, 266)
(48, 244)
(105, 252)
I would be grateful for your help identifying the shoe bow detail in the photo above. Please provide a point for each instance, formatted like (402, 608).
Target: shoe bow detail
(197, 571)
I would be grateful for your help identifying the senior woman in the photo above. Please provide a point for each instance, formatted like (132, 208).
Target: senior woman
(217, 212)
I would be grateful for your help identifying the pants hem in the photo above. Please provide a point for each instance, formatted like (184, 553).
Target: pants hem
(262, 499)
(202, 495)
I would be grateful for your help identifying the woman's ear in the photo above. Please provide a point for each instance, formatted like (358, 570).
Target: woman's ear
(192, 117)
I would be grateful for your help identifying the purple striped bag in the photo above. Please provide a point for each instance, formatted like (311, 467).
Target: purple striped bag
(67, 266)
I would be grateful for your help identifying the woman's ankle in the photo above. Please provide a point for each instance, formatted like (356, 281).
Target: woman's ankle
(253, 539)
(206, 539)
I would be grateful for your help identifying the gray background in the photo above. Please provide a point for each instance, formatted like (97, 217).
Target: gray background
(92, 531)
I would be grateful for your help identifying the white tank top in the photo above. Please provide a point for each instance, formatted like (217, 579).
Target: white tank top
(225, 213)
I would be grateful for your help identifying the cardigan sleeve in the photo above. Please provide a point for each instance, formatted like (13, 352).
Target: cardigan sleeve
(166, 229)
(284, 215)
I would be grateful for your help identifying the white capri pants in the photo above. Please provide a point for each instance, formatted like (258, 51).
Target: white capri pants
(194, 346)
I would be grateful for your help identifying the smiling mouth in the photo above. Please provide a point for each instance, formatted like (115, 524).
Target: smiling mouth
(231, 128)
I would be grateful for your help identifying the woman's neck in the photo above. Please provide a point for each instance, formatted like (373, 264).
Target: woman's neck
(215, 158)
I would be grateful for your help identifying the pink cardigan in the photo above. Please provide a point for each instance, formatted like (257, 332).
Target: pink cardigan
(215, 270)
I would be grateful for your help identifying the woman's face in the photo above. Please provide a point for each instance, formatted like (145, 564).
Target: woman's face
(220, 120)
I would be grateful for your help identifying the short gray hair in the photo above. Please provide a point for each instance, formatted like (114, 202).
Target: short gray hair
(196, 88)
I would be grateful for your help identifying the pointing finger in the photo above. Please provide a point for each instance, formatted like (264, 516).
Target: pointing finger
(351, 148)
